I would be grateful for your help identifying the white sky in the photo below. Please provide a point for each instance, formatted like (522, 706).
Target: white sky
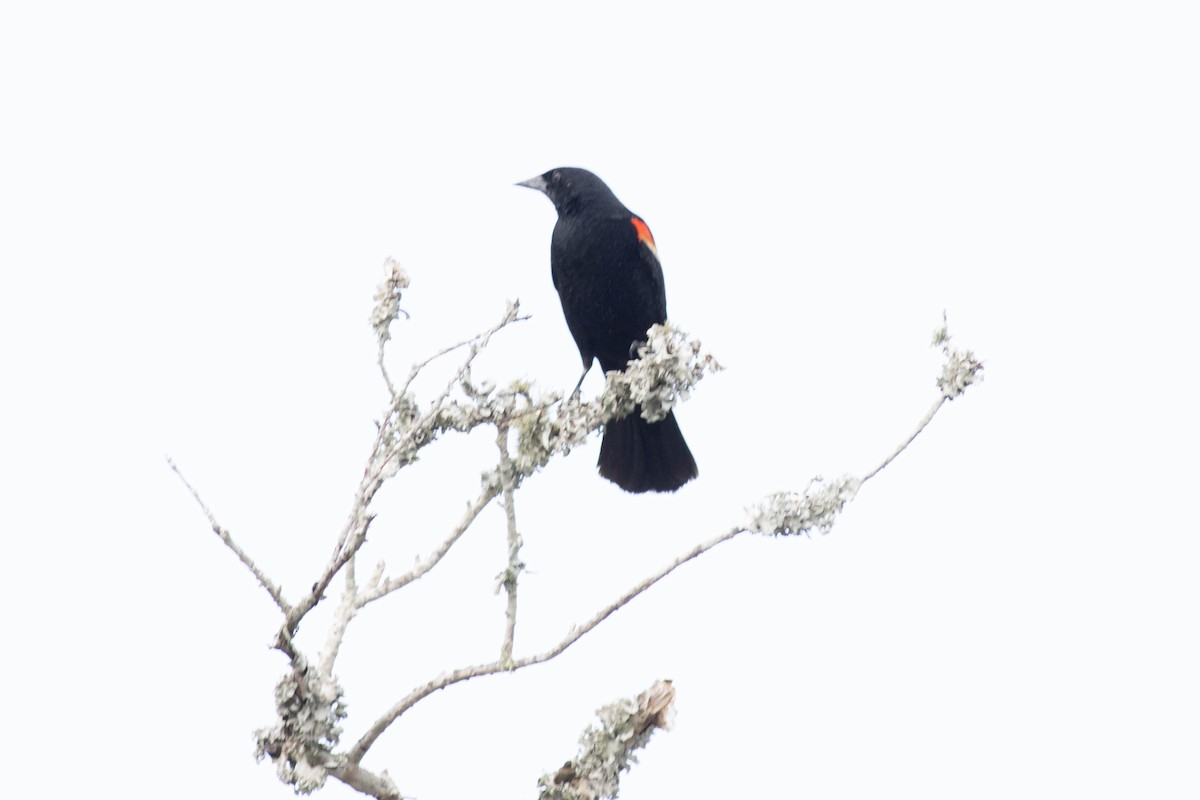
(194, 208)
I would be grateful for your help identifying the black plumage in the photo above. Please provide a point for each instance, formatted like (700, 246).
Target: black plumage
(605, 267)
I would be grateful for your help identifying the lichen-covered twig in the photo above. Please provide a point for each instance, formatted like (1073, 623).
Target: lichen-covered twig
(610, 748)
(386, 310)
(397, 440)
(791, 513)
(512, 571)
(380, 588)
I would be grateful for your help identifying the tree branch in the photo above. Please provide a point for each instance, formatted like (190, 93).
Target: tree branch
(379, 589)
(386, 310)
(341, 620)
(420, 365)
(356, 753)
(960, 370)
(608, 749)
(911, 437)
(784, 513)
(273, 590)
(379, 786)
(387, 455)
(508, 578)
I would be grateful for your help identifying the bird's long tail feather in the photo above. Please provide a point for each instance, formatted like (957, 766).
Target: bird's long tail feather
(640, 456)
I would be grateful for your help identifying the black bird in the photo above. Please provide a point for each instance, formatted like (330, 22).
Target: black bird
(605, 268)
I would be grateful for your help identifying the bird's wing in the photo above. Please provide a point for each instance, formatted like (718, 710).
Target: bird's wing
(649, 253)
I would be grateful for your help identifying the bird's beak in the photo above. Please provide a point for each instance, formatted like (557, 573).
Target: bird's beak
(536, 182)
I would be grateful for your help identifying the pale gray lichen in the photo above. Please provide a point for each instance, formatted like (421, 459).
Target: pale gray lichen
(791, 513)
(608, 749)
(961, 368)
(300, 744)
(387, 299)
(668, 366)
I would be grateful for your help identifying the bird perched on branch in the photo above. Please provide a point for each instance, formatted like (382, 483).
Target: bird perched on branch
(605, 268)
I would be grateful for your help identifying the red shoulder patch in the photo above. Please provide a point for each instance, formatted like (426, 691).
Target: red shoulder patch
(644, 235)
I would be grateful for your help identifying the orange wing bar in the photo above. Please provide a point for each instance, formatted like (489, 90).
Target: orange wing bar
(644, 235)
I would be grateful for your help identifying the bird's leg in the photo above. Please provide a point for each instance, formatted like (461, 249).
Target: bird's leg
(575, 394)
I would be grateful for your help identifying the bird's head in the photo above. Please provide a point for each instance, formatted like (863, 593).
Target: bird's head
(571, 189)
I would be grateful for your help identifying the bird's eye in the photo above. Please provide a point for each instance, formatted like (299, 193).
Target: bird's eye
(556, 176)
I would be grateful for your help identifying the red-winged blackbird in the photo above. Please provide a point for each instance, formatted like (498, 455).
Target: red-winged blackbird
(605, 268)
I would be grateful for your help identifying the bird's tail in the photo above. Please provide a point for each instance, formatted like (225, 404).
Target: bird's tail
(640, 456)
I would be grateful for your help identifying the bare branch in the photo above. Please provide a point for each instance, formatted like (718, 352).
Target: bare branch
(378, 786)
(420, 365)
(387, 379)
(508, 578)
(961, 370)
(911, 437)
(310, 600)
(379, 589)
(477, 343)
(273, 590)
(341, 619)
(356, 753)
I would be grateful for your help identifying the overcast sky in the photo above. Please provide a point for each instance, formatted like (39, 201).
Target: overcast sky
(195, 203)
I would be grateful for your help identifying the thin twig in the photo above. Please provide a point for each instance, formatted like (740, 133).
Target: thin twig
(354, 533)
(372, 482)
(273, 590)
(356, 753)
(420, 365)
(310, 600)
(904, 445)
(373, 474)
(368, 783)
(513, 570)
(478, 343)
(341, 620)
(379, 589)
(387, 379)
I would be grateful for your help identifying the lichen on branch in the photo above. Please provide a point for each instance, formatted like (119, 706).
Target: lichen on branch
(961, 368)
(609, 748)
(792, 513)
(387, 300)
(309, 710)
(668, 366)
